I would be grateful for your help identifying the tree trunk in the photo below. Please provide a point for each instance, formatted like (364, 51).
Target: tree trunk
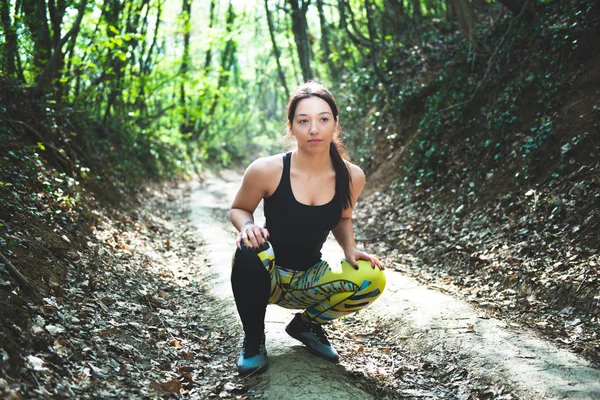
(357, 33)
(227, 57)
(79, 66)
(450, 10)
(56, 61)
(290, 47)
(299, 25)
(276, 50)
(34, 15)
(208, 59)
(466, 21)
(136, 66)
(417, 14)
(186, 11)
(513, 5)
(111, 16)
(393, 13)
(432, 7)
(374, 54)
(10, 54)
(146, 63)
(227, 61)
(57, 12)
(333, 70)
(359, 41)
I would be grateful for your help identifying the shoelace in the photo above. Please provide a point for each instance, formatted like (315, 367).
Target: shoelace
(317, 330)
(252, 346)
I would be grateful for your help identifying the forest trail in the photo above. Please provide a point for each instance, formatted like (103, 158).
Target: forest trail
(415, 320)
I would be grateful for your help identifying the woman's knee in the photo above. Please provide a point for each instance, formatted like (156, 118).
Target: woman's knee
(248, 258)
(368, 275)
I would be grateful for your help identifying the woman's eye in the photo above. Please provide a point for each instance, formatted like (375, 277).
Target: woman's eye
(324, 119)
(303, 121)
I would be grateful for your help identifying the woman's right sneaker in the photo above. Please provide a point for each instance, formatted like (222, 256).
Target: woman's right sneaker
(253, 357)
(313, 337)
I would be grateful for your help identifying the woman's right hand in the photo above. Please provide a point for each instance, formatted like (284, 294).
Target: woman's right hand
(252, 235)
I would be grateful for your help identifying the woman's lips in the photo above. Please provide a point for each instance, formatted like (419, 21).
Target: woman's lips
(315, 141)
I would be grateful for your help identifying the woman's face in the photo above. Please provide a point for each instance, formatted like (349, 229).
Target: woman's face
(313, 125)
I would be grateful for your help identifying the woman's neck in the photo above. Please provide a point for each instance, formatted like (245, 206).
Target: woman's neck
(312, 164)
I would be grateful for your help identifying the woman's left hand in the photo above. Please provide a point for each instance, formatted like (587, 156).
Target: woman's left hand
(353, 255)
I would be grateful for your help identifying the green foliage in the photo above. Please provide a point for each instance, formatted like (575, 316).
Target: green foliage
(474, 116)
(161, 106)
(172, 93)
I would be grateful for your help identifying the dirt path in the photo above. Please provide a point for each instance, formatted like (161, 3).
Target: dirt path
(413, 342)
(210, 206)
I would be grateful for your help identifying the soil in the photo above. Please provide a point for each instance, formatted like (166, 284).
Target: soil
(413, 342)
(524, 250)
(146, 310)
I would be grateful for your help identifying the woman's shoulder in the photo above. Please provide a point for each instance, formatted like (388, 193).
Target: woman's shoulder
(268, 162)
(265, 167)
(355, 171)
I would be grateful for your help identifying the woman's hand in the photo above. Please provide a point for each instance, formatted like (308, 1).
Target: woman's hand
(252, 235)
(354, 254)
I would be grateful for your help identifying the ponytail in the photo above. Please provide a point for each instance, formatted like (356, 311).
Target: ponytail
(343, 179)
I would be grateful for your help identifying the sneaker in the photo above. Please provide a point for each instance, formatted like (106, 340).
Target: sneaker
(313, 337)
(253, 357)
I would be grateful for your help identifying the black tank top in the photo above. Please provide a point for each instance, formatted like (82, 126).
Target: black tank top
(298, 231)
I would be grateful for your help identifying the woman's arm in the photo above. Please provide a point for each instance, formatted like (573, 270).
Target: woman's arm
(255, 186)
(344, 231)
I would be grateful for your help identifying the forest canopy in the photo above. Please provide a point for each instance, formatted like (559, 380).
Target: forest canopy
(209, 79)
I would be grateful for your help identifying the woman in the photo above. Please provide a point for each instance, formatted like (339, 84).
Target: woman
(307, 193)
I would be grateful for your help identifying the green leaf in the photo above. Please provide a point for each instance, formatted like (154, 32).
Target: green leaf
(41, 146)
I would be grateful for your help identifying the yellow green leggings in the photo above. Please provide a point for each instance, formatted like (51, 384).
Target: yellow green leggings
(324, 292)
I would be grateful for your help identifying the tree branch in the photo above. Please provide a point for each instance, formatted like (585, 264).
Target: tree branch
(50, 65)
(18, 276)
(63, 161)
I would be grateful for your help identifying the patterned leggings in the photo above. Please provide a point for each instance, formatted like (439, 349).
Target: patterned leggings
(324, 292)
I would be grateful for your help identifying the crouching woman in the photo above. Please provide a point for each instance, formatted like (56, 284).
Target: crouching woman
(308, 192)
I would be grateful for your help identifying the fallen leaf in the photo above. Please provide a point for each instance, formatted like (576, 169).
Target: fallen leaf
(37, 363)
(105, 332)
(55, 329)
(172, 386)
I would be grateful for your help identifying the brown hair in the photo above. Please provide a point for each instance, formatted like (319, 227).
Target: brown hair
(343, 179)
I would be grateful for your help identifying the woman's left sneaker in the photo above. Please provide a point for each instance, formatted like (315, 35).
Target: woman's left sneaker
(253, 357)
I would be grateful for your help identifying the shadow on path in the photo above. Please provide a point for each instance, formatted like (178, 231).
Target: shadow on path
(424, 319)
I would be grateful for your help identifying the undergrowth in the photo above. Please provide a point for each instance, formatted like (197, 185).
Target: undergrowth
(479, 115)
(487, 172)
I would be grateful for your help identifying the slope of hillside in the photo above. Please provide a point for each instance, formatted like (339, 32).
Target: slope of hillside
(495, 184)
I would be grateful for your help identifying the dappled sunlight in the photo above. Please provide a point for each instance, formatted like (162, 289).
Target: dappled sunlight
(126, 127)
